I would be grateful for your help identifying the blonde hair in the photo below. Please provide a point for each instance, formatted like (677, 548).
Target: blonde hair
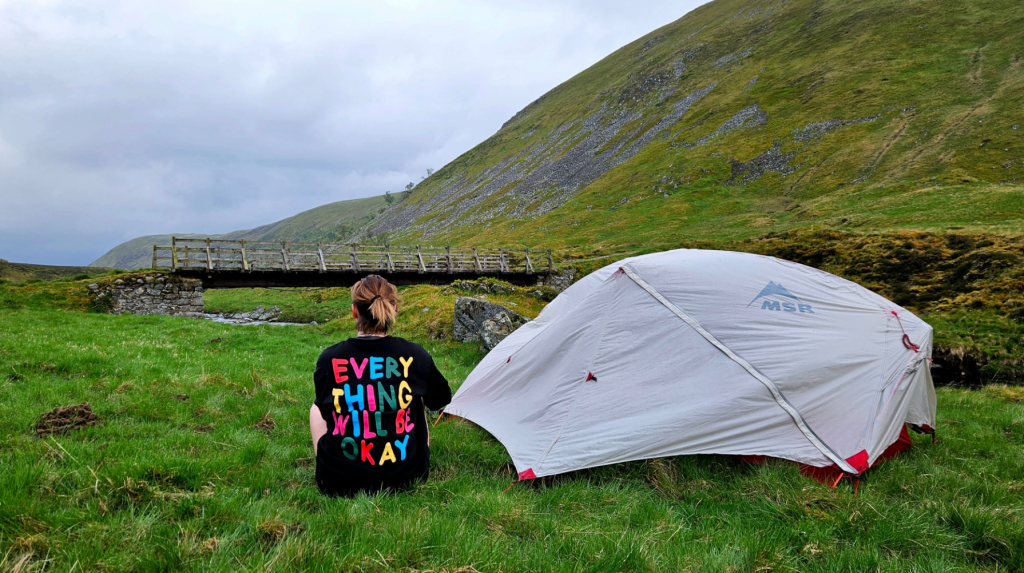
(376, 302)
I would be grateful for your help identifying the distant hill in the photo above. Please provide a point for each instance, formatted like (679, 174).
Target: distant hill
(20, 272)
(751, 116)
(332, 222)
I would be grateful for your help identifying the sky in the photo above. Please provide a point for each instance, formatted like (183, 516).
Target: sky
(128, 118)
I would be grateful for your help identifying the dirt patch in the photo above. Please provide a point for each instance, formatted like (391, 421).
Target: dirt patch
(272, 531)
(266, 424)
(182, 397)
(63, 420)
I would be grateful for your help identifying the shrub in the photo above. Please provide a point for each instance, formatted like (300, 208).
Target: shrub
(103, 304)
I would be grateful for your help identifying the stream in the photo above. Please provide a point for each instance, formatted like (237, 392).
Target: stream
(250, 322)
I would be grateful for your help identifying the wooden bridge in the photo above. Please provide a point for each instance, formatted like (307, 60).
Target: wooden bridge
(241, 264)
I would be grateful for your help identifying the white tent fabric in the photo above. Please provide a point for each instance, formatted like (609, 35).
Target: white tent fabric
(699, 352)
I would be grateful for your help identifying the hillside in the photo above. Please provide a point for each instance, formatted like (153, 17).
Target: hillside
(746, 117)
(332, 222)
(21, 272)
(742, 118)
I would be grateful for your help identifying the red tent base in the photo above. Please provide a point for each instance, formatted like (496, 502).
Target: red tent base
(832, 474)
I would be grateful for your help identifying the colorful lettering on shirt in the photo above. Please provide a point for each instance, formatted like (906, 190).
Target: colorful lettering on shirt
(384, 390)
(367, 432)
(391, 368)
(352, 399)
(340, 366)
(364, 452)
(404, 395)
(355, 424)
(340, 423)
(376, 367)
(401, 446)
(406, 365)
(382, 395)
(371, 401)
(357, 368)
(355, 449)
(387, 454)
(337, 392)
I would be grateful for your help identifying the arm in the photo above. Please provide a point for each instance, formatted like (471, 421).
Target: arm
(439, 393)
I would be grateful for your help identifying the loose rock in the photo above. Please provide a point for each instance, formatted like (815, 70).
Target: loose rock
(486, 322)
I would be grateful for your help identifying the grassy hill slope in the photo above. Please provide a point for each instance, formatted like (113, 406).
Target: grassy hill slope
(21, 272)
(750, 116)
(332, 222)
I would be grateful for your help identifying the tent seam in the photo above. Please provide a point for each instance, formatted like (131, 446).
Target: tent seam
(776, 393)
(575, 400)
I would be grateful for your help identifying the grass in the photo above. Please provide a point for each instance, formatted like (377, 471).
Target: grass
(202, 461)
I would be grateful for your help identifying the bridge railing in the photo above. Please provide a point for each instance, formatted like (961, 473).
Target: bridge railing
(262, 256)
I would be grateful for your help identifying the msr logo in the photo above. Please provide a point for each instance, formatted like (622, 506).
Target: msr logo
(773, 295)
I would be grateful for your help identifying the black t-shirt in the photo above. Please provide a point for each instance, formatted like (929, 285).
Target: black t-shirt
(371, 392)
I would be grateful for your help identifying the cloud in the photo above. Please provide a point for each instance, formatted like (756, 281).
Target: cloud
(120, 119)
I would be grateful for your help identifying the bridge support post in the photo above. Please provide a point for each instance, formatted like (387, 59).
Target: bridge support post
(476, 261)
(391, 264)
(551, 263)
(209, 259)
(448, 257)
(320, 255)
(245, 261)
(529, 265)
(419, 257)
(154, 256)
(355, 258)
(502, 264)
(284, 256)
(174, 255)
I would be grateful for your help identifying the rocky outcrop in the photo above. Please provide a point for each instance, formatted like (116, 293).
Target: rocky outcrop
(485, 322)
(154, 293)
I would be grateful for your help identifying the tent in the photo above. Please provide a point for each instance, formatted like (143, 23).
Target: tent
(705, 352)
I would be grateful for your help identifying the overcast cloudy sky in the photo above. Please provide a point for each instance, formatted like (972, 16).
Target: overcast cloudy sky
(127, 118)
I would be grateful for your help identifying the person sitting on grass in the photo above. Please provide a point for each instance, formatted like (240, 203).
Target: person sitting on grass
(368, 421)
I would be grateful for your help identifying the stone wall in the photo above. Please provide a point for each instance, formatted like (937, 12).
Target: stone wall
(152, 293)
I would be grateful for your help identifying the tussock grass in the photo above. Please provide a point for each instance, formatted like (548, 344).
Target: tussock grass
(223, 479)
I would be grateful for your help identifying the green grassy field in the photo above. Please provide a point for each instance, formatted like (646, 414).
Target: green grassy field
(202, 461)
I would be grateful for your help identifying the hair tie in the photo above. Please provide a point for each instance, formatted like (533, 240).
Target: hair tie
(373, 299)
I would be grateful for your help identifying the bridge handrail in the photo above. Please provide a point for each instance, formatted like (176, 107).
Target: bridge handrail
(260, 256)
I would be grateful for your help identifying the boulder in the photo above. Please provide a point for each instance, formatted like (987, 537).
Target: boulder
(260, 314)
(562, 279)
(485, 322)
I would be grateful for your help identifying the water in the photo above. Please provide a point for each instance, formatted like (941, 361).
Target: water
(249, 322)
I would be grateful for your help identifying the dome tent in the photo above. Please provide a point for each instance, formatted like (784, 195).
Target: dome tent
(701, 352)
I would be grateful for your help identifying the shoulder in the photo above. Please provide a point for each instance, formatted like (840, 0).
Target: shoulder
(409, 347)
(334, 350)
